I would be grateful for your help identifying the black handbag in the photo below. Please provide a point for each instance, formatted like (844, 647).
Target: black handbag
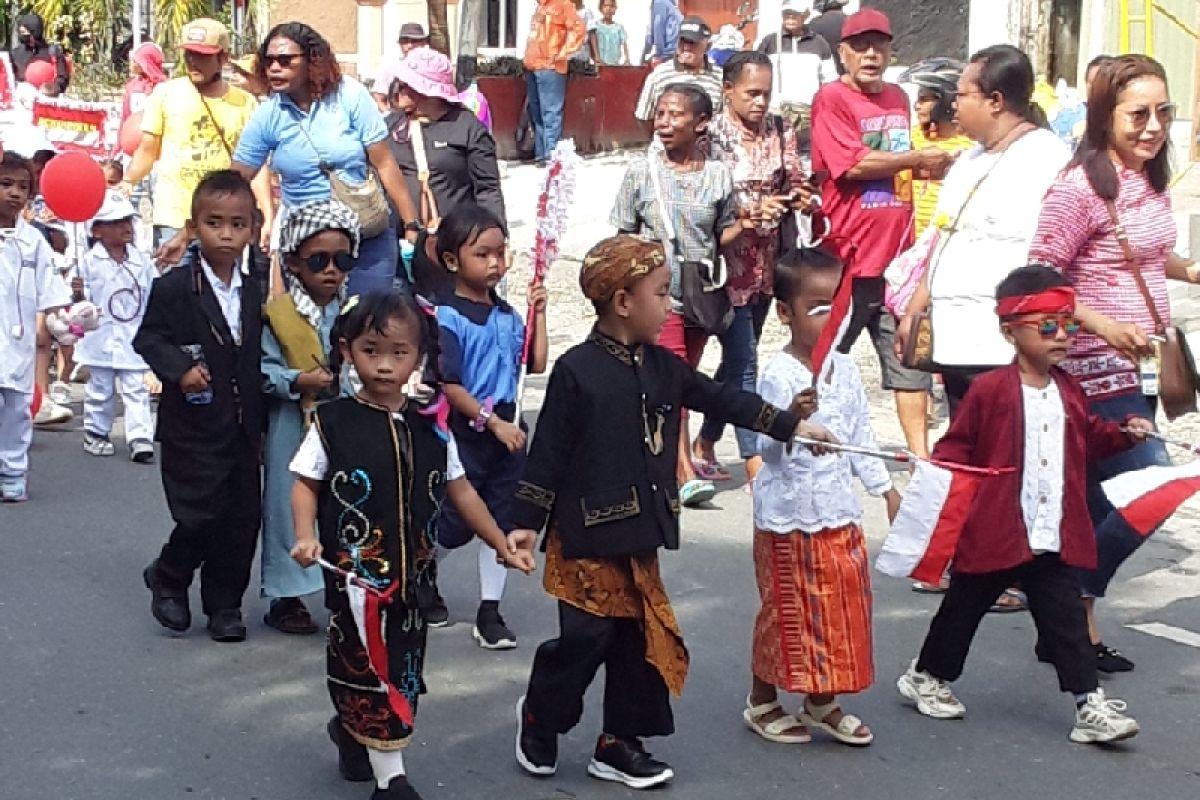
(706, 304)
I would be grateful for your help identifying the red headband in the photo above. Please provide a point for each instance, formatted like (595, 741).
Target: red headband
(1059, 300)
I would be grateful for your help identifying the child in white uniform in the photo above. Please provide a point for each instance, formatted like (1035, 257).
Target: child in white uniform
(28, 285)
(115, 276)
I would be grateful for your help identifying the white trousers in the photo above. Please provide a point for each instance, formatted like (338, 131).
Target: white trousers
(16, 432)
(99, 403)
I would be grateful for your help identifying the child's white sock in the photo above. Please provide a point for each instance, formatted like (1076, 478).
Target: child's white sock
(492, 576)
(386, 764)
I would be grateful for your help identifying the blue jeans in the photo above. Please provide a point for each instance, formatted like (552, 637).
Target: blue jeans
(375, 270)
(546, 92)
(1115, 539)
(739, 364)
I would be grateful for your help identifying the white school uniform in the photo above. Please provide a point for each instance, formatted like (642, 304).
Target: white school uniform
(121, 291)
(28, 284)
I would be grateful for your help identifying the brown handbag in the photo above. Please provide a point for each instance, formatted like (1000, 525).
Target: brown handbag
(1177, 373)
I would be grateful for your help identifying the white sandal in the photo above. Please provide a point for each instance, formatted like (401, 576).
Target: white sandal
(846, 729)
(774, 731)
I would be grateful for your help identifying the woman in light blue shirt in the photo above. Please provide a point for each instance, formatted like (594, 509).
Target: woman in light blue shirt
(316, 117)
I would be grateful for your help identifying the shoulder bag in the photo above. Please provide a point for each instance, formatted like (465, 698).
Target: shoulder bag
(1177, 372)
(365, 199)
(706, 304)
(213, 119)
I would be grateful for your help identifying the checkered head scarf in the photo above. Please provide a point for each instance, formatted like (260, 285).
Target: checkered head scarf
(303, 222)
(618, 262)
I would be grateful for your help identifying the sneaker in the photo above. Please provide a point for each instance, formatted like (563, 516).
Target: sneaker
(932, 696)
(13, 490)
(626, 761)
(537, 748)
(1101, 720)
(96, 445)
(51, 413)
(141, 452)
(1110, 660)
(490, 630)
(60, 393)
(437, 615)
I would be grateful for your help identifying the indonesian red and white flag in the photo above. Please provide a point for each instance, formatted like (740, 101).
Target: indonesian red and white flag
(834, 331)
(1146, 497)
(367, 606)
(925, 533)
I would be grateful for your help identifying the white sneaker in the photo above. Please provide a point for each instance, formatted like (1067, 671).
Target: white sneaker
(1102, 720)
(51, 413)
(932, 696)
(97, 445)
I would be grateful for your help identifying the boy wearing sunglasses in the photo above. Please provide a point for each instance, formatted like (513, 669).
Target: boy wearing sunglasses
(1028, 525)
(318, 244)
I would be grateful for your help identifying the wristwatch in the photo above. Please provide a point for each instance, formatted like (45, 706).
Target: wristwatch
(479, 424)
(413, 226)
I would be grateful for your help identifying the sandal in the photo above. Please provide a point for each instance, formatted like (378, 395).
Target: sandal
(1012, 601)
(695, 492)
(921, 587)
(776, 729)
(845, 731)
(290, 615)
(710, 470)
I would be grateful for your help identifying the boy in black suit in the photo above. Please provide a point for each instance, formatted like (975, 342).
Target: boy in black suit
(201, 337)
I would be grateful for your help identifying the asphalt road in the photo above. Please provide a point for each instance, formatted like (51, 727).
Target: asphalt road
(100, 703)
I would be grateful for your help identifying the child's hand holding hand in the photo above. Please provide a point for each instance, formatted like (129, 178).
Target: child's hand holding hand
(538, 298)
(195, 379)
(510, 435)
(519, 554)
(804, 405)
(1139, 429)
(892, 498)
(306, 551)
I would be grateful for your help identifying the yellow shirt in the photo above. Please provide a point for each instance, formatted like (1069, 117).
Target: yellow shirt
(925, 193)
(191, 144)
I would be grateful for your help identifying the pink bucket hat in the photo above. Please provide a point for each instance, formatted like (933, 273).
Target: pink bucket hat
(428, 72)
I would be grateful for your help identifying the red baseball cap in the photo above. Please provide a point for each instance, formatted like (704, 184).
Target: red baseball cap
(868, 20)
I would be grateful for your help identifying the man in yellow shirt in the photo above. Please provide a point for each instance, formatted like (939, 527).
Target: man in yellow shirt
(190, 127)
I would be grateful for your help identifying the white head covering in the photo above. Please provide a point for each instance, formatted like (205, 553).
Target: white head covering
(116, 207)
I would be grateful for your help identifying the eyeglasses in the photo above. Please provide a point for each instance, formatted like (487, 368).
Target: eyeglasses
(1048, 327)
(1140, 117)
(318, 261)
(282, 59)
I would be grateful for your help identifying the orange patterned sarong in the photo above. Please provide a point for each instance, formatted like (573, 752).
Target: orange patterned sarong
(629, 587)
(813, 633)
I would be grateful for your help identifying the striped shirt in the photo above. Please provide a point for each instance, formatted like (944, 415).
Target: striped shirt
(662, 76)
(1075, 235)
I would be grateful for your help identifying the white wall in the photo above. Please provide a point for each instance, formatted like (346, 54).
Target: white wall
(992, 22)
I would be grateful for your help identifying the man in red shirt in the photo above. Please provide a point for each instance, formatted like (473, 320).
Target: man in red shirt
(861, 142)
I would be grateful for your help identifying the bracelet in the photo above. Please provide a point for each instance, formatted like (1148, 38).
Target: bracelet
(479, 425)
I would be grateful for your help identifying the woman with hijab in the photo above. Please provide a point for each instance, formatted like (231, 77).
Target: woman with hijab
(146, 72)
(32, 46)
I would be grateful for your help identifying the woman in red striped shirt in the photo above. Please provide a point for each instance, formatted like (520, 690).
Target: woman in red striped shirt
(1120, 175)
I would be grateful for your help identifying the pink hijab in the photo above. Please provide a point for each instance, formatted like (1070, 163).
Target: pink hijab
(149, 57)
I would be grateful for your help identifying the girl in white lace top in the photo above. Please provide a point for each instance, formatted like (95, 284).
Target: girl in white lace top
(813, 632)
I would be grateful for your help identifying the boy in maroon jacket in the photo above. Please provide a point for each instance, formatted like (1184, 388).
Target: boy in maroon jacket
(1028, 526)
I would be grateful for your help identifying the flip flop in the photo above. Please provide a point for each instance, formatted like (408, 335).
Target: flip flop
(1021, 604)
(776, 729)
(921, 587)
(695, 492)
(710, 470)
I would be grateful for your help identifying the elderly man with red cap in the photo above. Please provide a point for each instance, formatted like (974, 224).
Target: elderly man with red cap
(862, 150)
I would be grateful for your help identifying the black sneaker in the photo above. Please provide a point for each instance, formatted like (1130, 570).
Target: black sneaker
(537, 748)
(437, 615)
(398, 789)
(490, 630)
(626, 761)
(1110, 660)
(353, 763)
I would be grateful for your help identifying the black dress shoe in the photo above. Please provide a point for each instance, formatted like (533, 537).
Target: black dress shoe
(169, 605)
(398, 789)
(353, 762)
(227, 626)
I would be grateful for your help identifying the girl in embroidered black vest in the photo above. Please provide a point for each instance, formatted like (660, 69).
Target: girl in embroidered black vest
(364, 459)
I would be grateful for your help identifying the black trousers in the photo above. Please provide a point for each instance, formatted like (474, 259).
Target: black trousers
(216, 503)
(636, 700)
(1054, 602)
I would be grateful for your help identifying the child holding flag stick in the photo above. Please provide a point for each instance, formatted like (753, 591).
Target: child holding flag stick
(1029, 525)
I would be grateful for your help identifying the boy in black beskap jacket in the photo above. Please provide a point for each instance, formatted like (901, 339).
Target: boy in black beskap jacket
(201, 336)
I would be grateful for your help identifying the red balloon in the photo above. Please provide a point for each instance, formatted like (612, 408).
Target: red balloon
(37, 400)
(131, 134)
(73, 186)
(39, 73)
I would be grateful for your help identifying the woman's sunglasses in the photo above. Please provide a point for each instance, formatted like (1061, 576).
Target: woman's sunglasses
(1140, 117)
(282, 59)
(1047, 327)
(318, 261)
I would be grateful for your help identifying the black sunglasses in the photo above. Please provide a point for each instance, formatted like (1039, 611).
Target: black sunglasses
(318, 261)
(282, 59)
